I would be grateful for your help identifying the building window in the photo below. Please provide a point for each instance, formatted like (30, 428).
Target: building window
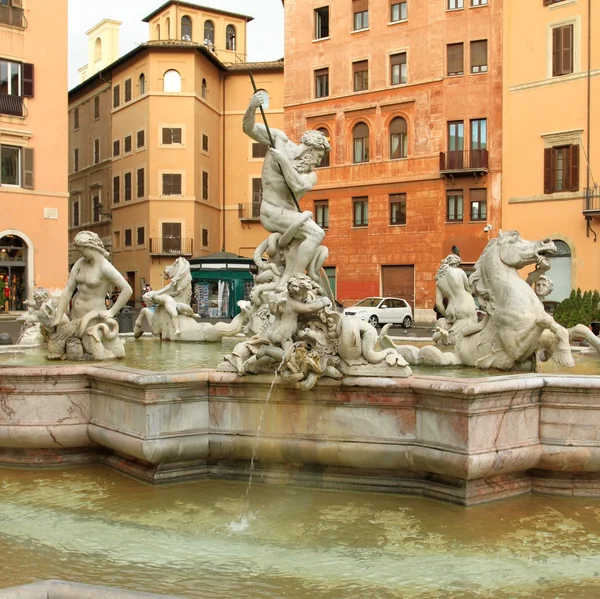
(116, 147)
(204, 90)
(127, 187)
(454, 203)
(141, 139)
(116, 96)
(12, 79)
(171, 136)
(75, 160)
(75, 119)
(96, 208)
(171, 185)
(399, 11)
(96, 151)
(230, 38)
(479, 56)
(455, 59)
(257, 193)
(398, 68)
(116, 189)
(562, 50)
(141, 236)
(322, 213)
(140, 183)
(321, 22)
(127, 238)
(325, 160)
(549, 2)
(142, 84)
(321, 83)
(158, 32)
(259, 150)
(186, 29)
(360, 8)
(561, 168)
(360, 72)
(204, 142)
(172, 81)
(127, 145)
(360, 207)
(479, 2)
(360, 139)
(456, 136)
(76, 213)
(479, 134)
(209, 33)
(168, 27)
(455, 4)
(205, 238)
(398, 209)
(398, 138)
(96, 107)
(204, 185)
(478, 204)
(16, 166)
(128, 90)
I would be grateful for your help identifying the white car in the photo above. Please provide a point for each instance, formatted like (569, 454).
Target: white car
(381, 310)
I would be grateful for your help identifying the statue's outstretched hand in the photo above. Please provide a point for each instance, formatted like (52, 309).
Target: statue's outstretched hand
(278, 155)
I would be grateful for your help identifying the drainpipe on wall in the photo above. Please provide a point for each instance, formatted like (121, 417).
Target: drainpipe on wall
(589, 91)
(223, 178)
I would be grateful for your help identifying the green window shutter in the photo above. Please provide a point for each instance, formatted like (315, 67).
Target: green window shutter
(27, 168)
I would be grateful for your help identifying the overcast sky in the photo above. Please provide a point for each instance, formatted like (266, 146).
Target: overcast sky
(265, 33)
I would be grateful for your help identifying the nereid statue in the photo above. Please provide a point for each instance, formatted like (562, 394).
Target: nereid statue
(292, 326)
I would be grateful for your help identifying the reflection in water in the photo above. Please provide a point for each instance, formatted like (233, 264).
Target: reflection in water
(95, 526)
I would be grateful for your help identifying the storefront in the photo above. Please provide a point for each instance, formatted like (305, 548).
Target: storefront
(219, 281)
(13, 273)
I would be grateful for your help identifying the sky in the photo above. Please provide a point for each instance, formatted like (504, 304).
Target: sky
(265, 33)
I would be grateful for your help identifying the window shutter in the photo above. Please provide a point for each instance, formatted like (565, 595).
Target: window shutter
(176, 136)
(567, 49)
(455, 59)
(548, 160)
(166, 135)
(574, 175)
(27, 168)
(479, 53)
(27, 80)
(359, 67)
(556, 54)
(360, 5)
(547, 2)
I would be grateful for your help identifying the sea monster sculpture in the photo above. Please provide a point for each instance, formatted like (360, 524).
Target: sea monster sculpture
(293, 327)
(515, 329)
(32, 332)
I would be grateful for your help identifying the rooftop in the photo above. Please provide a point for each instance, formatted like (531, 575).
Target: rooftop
(256, 66)
(196, 6)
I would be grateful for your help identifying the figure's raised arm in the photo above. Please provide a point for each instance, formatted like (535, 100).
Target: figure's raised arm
(257, 131)
(117, 279)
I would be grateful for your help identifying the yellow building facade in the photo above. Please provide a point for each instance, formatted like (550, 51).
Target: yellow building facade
(551, 145)
(33, 147)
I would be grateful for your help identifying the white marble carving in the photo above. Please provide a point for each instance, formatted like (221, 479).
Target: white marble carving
(292, 325)
(91, 332)
(32, 332)
(170, 316)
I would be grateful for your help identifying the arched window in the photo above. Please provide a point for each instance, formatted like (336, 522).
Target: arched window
(168, 28)
(172, 81)
(142, 84)
(98, 49)
(560, 272)
(360, 143)
(204, 90)
(230, 38)
(398, 138)
(186, 28)
(158, 32)
(325, 160)
(209, 33)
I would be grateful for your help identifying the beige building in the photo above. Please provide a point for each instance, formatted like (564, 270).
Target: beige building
(164, 168)
(33, 147)
(551, 144)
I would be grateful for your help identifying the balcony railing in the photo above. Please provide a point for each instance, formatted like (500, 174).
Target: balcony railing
(171, 246)
(464, 161)
(250, 211)
(12, 16)
(12, 105)
(591, 200)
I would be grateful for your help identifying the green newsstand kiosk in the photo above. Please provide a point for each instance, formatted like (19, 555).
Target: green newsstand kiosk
(219, 281)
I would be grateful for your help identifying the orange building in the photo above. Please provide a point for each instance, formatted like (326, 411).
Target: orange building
(33, 148)
(552, 136)
(167, 169)
(410, 95)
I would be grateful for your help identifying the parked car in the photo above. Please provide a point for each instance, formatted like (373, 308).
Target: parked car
(382, 310)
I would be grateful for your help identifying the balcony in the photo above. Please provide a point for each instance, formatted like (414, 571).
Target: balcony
(591, 201)
(12, 105)
(464, 162)
(249, 211)
(12, 16)
(171, 246)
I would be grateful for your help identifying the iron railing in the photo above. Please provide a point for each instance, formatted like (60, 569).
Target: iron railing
(469, 161)
(12, 105)
(12, 16)
(591, 199)
(250, 211)
(178, 246)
